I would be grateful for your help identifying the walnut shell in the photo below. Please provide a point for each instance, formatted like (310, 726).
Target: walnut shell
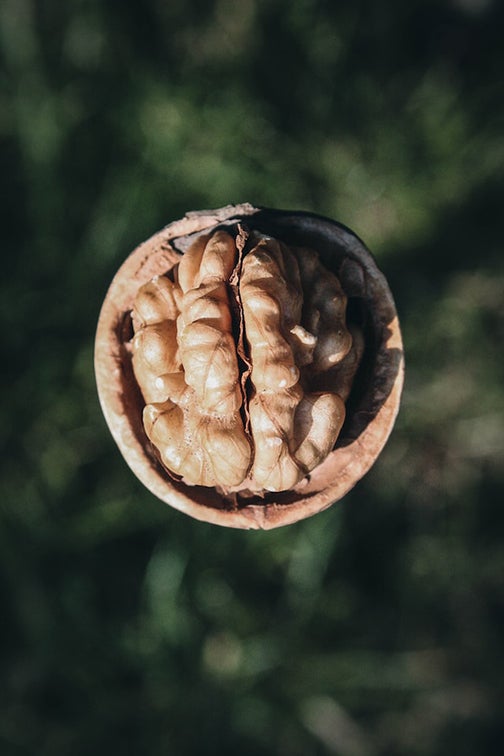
(372, 403)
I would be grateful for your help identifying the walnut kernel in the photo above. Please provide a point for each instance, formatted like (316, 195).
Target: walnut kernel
(227, 370)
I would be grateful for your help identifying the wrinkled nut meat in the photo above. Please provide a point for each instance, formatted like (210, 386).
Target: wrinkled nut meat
(249, 364)
(227, 354)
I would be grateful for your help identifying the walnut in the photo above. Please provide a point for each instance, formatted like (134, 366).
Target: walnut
(249, 364)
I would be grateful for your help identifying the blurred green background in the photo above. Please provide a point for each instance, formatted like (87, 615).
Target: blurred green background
(374, 628)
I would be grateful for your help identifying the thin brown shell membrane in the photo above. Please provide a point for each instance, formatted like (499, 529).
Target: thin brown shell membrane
(368, 377)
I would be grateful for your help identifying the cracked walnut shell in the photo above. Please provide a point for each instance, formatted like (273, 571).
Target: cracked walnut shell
(249, 364)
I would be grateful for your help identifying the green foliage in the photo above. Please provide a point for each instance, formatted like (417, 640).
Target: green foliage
(375, 628)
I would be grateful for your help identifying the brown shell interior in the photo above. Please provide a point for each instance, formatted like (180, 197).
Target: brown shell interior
(371, 407)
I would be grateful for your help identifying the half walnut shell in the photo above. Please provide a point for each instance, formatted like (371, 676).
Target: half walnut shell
(371, 407)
